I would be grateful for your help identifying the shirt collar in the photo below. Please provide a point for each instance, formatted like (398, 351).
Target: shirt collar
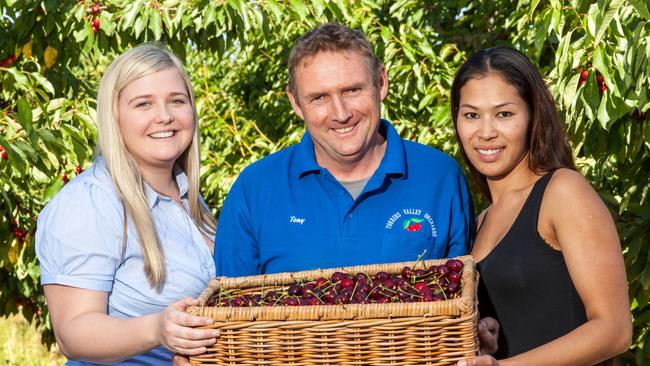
(181, 181)
(304, 161)
(393, 162)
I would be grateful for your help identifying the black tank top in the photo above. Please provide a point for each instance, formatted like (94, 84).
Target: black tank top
(524, 284)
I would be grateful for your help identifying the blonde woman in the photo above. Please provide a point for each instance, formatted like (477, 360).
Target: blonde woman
(123, 245)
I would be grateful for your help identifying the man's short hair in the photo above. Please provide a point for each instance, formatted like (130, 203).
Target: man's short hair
(331, 37)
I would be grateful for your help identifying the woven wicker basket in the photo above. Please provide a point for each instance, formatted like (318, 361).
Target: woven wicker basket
(421, 333)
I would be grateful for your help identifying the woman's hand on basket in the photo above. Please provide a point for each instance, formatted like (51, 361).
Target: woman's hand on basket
(485, 360)
(177, 333)
(180, 360)
(488, 335)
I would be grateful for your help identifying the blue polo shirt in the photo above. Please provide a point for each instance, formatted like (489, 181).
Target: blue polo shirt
(286, 213)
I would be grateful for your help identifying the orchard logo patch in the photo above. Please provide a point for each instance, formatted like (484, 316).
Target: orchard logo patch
(412, 220)
(413, 224)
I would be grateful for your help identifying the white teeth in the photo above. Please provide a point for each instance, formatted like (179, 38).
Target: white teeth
(344, 129)
(488, 151)
(162, 135)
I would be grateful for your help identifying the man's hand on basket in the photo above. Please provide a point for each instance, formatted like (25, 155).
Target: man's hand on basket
(175, 329)
(485, 360)
(488, 335)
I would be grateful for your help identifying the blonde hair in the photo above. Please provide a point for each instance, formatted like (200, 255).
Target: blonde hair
(135, 63)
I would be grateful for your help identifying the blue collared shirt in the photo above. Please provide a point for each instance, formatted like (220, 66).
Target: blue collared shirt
(286, 213)
(79, 243)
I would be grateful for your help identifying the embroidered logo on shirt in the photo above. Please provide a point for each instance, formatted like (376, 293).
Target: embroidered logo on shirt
(296, 220)
(411, 220)
(412, 225)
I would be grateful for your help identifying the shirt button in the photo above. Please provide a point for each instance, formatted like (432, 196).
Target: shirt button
(349, 216)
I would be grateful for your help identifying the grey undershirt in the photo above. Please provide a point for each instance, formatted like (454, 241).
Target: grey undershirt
(355, 187)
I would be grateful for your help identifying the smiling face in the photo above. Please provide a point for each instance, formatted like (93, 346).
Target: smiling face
(492, 123)
(340, 105)
(156, 118)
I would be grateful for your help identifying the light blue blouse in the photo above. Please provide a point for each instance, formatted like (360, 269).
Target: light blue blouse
(79, 243)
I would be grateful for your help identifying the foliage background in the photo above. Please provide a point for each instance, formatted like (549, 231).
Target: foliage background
(236, 52)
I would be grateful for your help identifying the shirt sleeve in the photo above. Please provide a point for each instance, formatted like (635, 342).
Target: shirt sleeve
(236, 248)
(462, 218)
(79, 237)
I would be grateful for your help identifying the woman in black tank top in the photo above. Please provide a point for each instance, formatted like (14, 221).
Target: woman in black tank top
(549, 258)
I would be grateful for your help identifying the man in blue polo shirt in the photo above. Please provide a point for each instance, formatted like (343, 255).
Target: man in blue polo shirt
(351, 192)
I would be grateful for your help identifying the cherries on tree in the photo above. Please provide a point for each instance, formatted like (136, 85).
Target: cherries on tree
(600, 79)
(94, 10)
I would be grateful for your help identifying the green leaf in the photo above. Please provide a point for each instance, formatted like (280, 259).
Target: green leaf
(319, 6)
(55, 104)
(300, 8)
(603, 114)
(406, 224)
(591, 19)
(275, 9)
(570, 91)
(50, 139)
(24, 116)
(140, 23)
(155, 24)
(641, 6)
(612, 9)
(28, 151)
(16, 157)
(21, 80)
(45, 83)
(107, 24)
(426, 101)
(130, 14)
(55, 186)
(645, 275)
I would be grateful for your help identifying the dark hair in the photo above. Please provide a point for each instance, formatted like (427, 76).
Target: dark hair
(331, 37)
(548, 146)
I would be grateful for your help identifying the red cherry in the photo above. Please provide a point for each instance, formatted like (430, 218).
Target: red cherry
(584, 74)
(321, 281)
(78, 169)
(347, 283)
(295, 290)
(95, 22)
(361, 277)
(455, 265)
(454, 277)
(600, 79)
(381, 276)
(603, 87)
(4, 155)
(65, 178)
(95, 9)
(407, 272)
(337, 276)
(95, 29)
(453, 288)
